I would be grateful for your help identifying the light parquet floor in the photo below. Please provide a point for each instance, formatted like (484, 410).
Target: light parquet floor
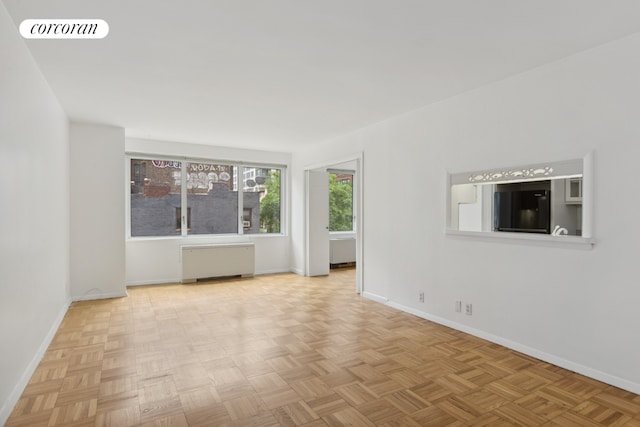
(285, 350)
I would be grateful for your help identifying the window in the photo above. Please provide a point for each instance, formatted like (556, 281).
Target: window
(213, 196)
(155, 195)
(340, 202)
(212, 199)
(261, 198)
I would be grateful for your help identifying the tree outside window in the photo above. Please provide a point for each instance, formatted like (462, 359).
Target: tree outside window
(270, 204)
(340, 202)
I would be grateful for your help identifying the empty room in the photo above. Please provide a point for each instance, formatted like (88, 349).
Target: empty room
(296, 213)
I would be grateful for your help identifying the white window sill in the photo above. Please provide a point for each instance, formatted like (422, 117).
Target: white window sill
(213, 237)
(575, 242)
(342, 234)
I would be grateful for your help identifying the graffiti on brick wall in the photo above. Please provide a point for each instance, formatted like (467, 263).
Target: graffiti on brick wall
(203, 176)
(205, 180)
(199, 175)
(166, 164)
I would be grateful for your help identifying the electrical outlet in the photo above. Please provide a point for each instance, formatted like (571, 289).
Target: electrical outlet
(468, 309)
(421, 296)
(458, 306)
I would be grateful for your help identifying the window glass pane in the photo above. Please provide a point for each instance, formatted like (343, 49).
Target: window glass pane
(261, 200)
(155, 196)
(211, 199)
(340, 202)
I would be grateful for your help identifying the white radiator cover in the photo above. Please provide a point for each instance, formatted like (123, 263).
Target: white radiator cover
(218, 260)
(342, 250)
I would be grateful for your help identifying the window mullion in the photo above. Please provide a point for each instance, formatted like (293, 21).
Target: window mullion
(184, 210)
(240, 183)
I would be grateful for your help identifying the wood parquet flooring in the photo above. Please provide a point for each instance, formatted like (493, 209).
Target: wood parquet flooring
(285, 350)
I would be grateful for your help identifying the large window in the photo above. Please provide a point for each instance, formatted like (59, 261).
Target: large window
(340, 202)
(220, 198)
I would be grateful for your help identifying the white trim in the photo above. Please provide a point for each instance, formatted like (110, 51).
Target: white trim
(13, 398)
(348, 158)
(342, 234)
(178, 280)
(538, 172)
(106, 295)
(184, 200)
(341, 171)
(175, 281)
(588, 196)
(127, 198)
(227, 238)
(375, 297)
(298, 271)
(529, 351)
(198, 159)
(575, 242)
(272, 271)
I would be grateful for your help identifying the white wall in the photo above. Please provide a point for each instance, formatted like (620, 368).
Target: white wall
(34, 218)
(157, 260)
(97, 206)
(575, 308)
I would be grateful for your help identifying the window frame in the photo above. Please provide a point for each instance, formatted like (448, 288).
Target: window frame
(240, 165)
(353, 204)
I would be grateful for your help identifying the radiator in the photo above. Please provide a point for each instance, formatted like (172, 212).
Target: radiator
(220, 260)
(342, 251)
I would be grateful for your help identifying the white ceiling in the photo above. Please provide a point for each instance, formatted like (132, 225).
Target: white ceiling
(280, 74)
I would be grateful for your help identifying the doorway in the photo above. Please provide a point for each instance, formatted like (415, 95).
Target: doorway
(332, 231)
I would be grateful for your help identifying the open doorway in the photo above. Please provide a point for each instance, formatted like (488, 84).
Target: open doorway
(342, 233)
(334, 219)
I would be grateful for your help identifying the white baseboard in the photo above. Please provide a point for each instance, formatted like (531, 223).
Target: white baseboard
(177, 280)
(298, 271)
(106, 295)
(529, 351)
(273, 271)
(376, 298)
(9, 404)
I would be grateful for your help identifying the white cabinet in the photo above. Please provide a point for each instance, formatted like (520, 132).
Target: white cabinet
(573, 190)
